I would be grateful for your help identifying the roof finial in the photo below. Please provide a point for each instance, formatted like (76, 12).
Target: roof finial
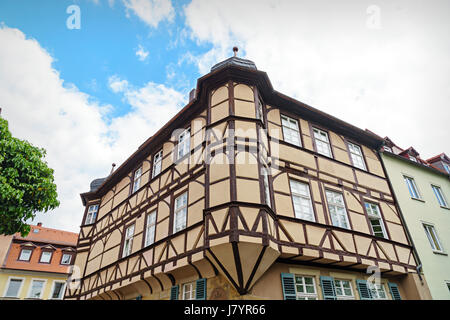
(235, 50)
(112, 169)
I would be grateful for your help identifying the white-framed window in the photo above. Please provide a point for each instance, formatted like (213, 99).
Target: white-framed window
(180, 213)
(301, 199)
(305, 288)
(128, 241)
(13, 287)
(338, 212)
(388, 149)
(157, 163)
(46, 256)
(322, 142)
(150, 229)
(66, 258)
(378, 291)
(439, 196)
(375, 219)
(433, 237)
(25, 254)
(57, 291)
(36, 288)
(265, 173)
(184, 143)
(91, 214)
(137, 180)
(446, 167)
(189, 291)
(344, 290)
(412, 188)
(357, 156)
(291, 132)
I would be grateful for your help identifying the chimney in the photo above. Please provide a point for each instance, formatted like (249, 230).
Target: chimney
(192, 94)
(39, 224)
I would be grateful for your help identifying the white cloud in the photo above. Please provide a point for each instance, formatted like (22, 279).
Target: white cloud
(152, 12)
(70, 125)
(393, 80)
(141, 53)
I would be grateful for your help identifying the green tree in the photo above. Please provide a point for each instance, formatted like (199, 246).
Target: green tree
(26, 183)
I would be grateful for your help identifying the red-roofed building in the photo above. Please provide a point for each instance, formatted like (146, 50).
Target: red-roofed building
(36, 266)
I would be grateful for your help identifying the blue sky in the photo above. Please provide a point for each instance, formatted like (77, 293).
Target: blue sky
(91, 96)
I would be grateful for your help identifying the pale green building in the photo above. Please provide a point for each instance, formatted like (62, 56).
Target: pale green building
(422, 190)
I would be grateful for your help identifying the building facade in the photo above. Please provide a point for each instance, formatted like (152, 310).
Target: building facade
(247, 194)
(422, 189)
(36, 266)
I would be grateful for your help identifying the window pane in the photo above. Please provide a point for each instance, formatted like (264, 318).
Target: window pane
(58, 290)
(36, 289)
(46, 256)
(66, 259)
(13, 288)
(25, 254)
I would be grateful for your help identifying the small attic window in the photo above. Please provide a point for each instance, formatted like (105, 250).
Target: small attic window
(412, 158)
(388, 149)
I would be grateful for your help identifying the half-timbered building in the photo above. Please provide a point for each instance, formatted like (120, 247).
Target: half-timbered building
(247, 194)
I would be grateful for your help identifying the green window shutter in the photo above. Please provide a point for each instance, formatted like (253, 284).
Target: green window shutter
(363, 289)
(328, 288)
(288, 285)
(174, 292)
(393, 288)
(200, 290)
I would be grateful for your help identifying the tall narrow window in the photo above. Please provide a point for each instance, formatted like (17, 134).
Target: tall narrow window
(91, 214)
(157, 163)
(128, 241)
(266, 186)
(432, 237)
(301, 198)
(375, 219)
(356, 155)
(189, 291)
(180, 213)
(14, 287)
(137, 180)
(36, 289)
(322, 142)
(291, 132)
(439, 196)
(413, 191)
(259, 110)
(305, 288)
(184, 143)
(337, 209)
(150, 230)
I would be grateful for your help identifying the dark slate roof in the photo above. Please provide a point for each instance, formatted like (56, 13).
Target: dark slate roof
(96, 183)
(234, 61)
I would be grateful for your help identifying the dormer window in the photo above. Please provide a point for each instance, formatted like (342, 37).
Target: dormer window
(412, 158)
(388, 149)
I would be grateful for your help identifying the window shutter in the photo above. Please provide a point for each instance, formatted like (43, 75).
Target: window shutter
(363, 289)
(200, 290)
(288, 284)
(174, 292)
(328, 289)
(393, 288)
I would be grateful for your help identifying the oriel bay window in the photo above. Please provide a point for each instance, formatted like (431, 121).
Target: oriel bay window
(128, 241)
(301, 199)
(180, 211)
(376, 222)
(338, 212)
(291, 132)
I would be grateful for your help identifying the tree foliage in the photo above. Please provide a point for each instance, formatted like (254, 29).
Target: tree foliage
(26, 183)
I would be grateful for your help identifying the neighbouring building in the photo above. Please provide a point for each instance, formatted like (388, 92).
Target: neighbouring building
(422, 189)
(36, 266)
(247, 193)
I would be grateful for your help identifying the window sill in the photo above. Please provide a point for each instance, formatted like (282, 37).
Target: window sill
(440, 253)
(447, 208)
(418, 199)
